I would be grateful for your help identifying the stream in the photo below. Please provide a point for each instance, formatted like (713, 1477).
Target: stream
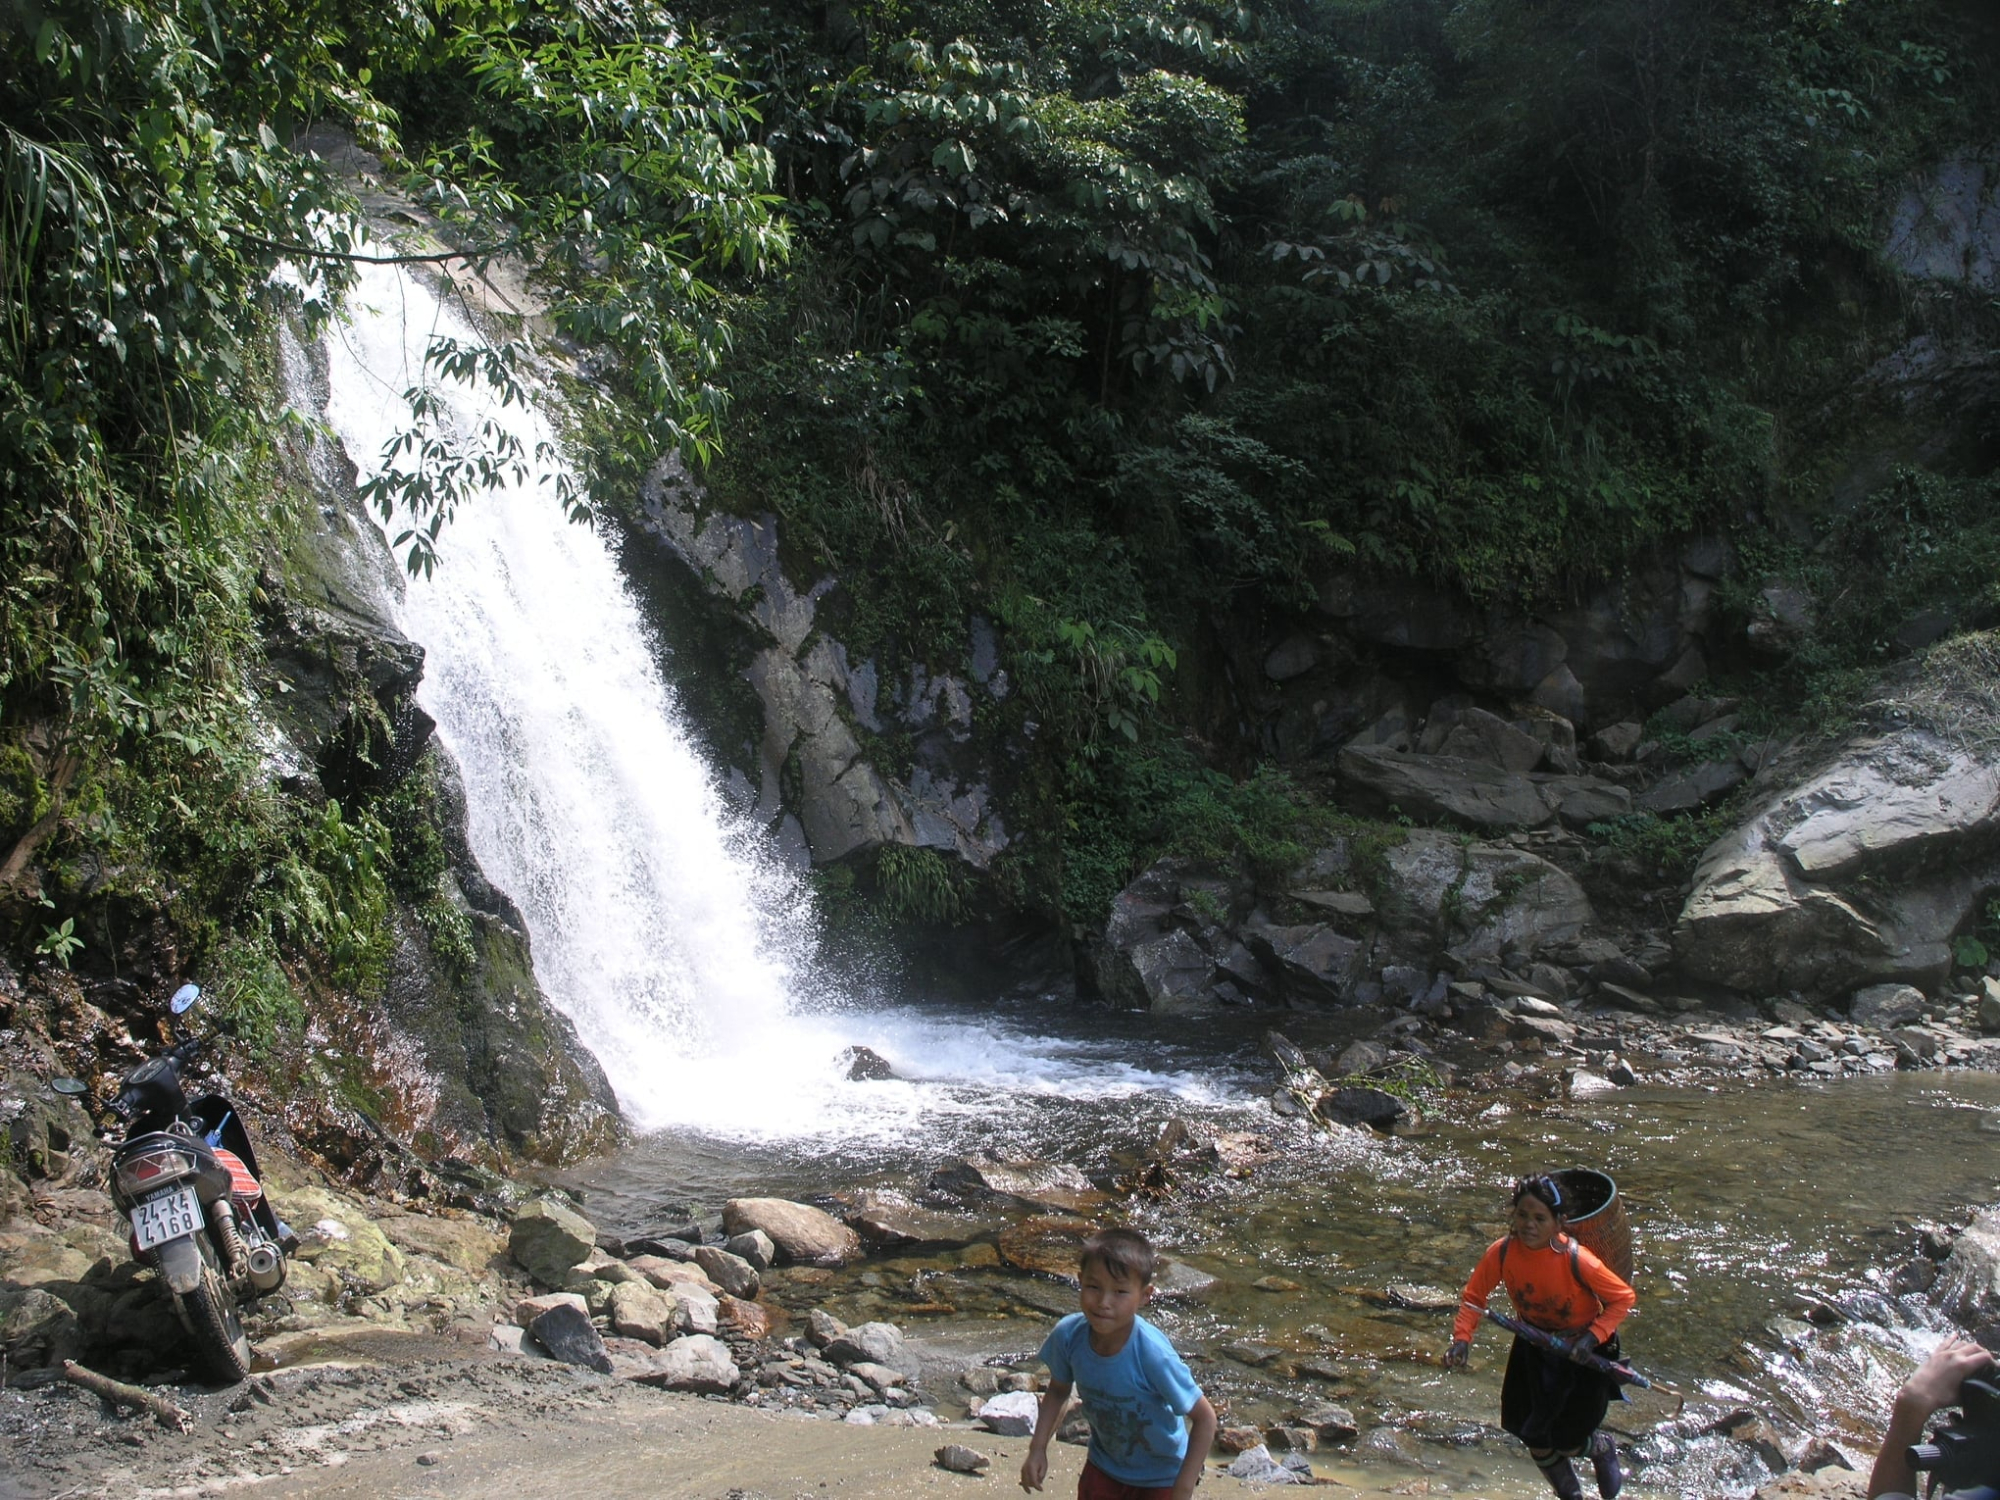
(668, 928)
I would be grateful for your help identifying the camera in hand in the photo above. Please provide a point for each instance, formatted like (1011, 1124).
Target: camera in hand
(1963, 1456)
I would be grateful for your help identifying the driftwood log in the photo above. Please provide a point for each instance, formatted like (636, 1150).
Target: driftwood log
(120, 1394)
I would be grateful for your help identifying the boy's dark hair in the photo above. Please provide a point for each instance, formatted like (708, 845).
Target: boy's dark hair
(1124, 1253)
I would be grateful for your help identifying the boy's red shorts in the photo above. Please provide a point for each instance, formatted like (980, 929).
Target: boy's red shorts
(1095, 1484)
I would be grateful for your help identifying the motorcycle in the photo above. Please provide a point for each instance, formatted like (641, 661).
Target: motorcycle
(186, 1177)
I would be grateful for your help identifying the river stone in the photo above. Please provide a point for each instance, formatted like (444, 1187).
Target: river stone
(696, 1363)
(566, 1333)
(881, 1378)
(864, 1065)
(822, 1327)
(1034, 1184)
(802, 1234)
(1361, 1057)
(530, 1308)
(666, 1274)
(732, 1273)
(959, 1459)
(751, 1320)
(547, 1239)
(1257, 1466)
(1334, 1424)
(1176, 1280)
(1374, 1108)
(1011, 1413)
(889, 1221)
(639, 1312)
(870, 1343)
(754, 1247)
(696, 1309)
(1887, 1005)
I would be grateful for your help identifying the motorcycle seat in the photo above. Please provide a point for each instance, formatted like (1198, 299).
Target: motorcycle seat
(242, 1186)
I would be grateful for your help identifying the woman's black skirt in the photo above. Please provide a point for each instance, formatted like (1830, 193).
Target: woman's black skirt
(1550, 1402)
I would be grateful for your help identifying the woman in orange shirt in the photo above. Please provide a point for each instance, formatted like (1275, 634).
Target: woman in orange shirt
(1552, 1404)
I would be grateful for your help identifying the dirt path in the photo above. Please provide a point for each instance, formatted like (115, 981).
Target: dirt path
(451, 1429)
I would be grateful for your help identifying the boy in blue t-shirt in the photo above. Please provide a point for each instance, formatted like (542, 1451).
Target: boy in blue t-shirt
(1150, 1425)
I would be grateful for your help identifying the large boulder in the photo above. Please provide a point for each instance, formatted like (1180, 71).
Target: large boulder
(697, 1362)
(342, 1243)
(637, 1311)
(1477, 901)
(1862, 874)
(1968, 1286)
(1164, 946)
(565, 1331)
(1431, 787)
(548, 1239)
(802, 1234)
(1312, 961)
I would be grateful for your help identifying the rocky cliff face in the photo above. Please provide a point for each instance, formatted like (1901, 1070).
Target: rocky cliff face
(818, 768)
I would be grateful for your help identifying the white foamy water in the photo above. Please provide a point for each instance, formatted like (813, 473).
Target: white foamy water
(663, 925)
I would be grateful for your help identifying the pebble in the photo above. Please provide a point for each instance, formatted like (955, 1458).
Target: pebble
(960, 1459)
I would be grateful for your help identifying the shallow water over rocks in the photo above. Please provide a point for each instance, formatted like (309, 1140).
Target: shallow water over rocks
(1767, 1215)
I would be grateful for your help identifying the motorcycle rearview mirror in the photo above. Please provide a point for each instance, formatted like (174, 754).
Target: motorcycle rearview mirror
(184, 999)
(75, 1088)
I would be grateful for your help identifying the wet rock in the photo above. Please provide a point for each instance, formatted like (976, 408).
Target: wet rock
(1916, 1274)
(696, 1363)
(547, 1239)
(889, 1221)
(1968, 1284)
(1010, 1414)
(1413, 1297)
(1887, 1005)
(732, 1273)
(754, 1247)
(1544, 1029)
(1761, 1438)
(801, 1234)
(1824, 1453)
(864, 1064)
(1239, 1439)
(959, 1459)
(1174, 1280)
(1361, 1057)
(566, 1333)
(1257, 1466)
(1046, 1244)
(1334, 1424)
(1373, 1108)
(1032, 1184)
(1284, 1439)
(638, 1312)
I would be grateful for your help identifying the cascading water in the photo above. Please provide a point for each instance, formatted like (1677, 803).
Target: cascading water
(662, 923)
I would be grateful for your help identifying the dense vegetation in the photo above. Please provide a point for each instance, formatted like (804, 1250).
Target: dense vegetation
(1119, 322)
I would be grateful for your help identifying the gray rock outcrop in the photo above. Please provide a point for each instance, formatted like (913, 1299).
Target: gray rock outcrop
(1859, 876)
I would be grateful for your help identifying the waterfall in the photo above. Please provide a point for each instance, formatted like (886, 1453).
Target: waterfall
(663, 924)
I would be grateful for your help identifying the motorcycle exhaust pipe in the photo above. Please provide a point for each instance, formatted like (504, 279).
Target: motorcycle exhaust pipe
(267, 1268)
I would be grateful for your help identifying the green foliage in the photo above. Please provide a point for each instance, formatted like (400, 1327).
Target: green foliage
(60, 942)
(1667, 848)
(921, 885)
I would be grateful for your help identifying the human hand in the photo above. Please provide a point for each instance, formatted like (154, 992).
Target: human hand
(1936, 1381)
(1034, 1468)
(1583, 1346)
(1458, 1355)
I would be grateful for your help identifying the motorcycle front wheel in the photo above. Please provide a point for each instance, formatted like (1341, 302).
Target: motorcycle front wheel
(209, 1311)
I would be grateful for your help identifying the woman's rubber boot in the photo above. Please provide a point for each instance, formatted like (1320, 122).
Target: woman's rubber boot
(1604, 1459)
(1561, 1477)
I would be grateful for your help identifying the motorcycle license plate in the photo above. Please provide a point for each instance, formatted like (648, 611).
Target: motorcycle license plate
(167, 1217)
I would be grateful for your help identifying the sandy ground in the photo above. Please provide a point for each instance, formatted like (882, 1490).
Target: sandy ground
(428, 1429)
